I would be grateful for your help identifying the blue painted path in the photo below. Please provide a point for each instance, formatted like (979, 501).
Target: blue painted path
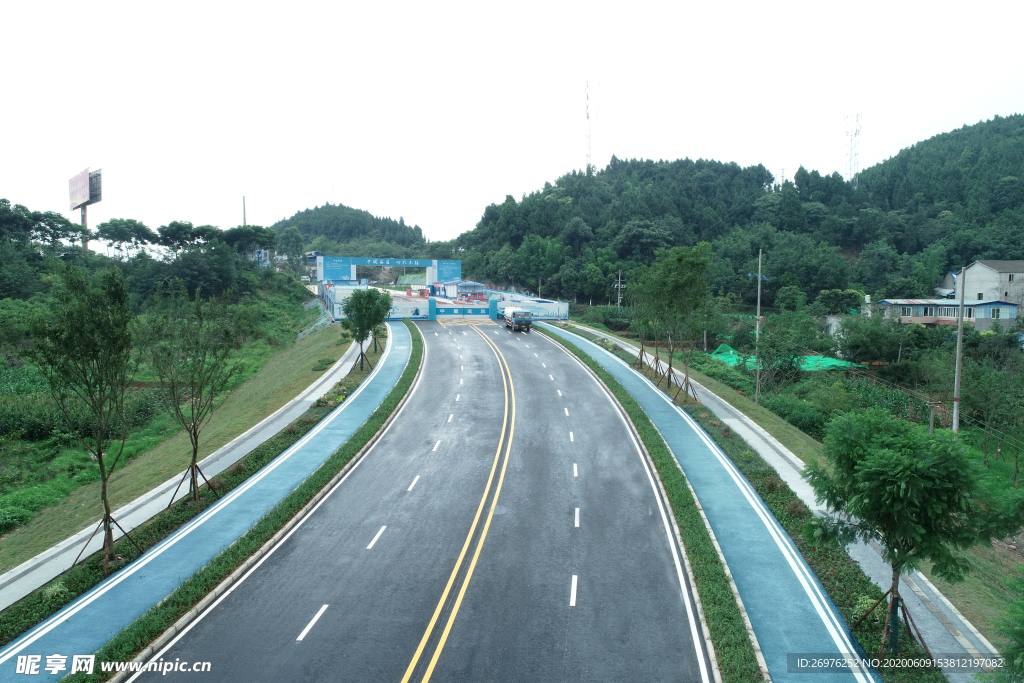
(87, 624)
(788, 608)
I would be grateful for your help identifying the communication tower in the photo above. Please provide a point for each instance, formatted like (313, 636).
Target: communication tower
(586, 92)
(853, 152)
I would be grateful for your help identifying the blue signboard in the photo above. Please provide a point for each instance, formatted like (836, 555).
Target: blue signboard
(340, 267)
(449, 270)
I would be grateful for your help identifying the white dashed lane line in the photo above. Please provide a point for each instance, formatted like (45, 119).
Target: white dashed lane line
(552, 378)
(451, 416)
(575, 472)
(559, 391)
(413, 483)
(570, 437)
(566, 412)
(376, 537)
(315, 618)
(435, 446)
(577, 518)
(572, 592)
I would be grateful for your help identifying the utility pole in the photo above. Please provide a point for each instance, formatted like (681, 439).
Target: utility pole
(757, 334)
(959, 354)
(243, 210)
(618, 302)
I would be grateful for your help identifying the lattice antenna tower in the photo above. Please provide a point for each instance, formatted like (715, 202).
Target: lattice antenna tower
(853, 153)
(587, 95)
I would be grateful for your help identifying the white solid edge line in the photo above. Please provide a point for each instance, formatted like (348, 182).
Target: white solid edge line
(310, 624)
(572, 592)
(435, 446)
(695, 631)
(577, 518)
(809, 584)
(90, 597)
(416, 479)
(295, 528)
(377, 536)
(575, 472)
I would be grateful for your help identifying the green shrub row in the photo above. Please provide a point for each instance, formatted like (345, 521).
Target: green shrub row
(134, 638)
(736, 658)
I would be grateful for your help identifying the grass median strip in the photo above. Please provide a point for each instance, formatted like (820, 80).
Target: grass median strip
(733, 649)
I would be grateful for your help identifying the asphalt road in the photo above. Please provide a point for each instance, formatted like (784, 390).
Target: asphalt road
(505, 528)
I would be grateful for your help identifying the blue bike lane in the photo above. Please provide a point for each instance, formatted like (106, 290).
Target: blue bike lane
(788, 608)
(88, 623)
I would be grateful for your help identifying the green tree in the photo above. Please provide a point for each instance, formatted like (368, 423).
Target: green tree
(916, 494)
(364, 310)
(84, 346)
(190, 345)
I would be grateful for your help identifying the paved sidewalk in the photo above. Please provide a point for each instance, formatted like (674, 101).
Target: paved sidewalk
(19, 581)
(945, 630)
(89, 622)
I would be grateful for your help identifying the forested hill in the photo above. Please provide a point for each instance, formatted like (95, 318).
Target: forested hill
(948, 200)
(327, 227)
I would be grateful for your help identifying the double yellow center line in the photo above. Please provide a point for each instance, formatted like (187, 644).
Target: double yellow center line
(507, 426)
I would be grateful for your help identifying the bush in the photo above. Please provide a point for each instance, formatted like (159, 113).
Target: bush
(611, 317)
(723, 372)
(800, 414)
(11, 517)
(39, 417)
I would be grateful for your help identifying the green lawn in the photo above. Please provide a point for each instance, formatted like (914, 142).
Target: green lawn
(273, 385)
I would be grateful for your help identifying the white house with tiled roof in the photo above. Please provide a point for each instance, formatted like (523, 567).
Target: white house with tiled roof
(989, 281)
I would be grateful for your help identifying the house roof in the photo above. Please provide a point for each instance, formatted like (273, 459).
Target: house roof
(1003, 266)
(942, 302)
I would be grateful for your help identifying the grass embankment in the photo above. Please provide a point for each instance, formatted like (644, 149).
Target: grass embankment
(51, 597)
(162, 449)
(132, 640)
(733, 649)
(50, 485)
(983, 598)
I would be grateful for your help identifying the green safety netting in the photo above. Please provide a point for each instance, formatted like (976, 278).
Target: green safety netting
(420, 279)
(727, 354)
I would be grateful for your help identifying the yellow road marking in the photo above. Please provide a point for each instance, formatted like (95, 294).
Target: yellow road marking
(469, 538)
(490, 514)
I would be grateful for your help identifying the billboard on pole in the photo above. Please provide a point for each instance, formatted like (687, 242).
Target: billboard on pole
(95, 186)
(79, 186)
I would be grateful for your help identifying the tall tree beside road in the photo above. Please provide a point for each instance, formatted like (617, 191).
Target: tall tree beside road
(190, 345)
(364, 310)
(917, 494)
(85, 349)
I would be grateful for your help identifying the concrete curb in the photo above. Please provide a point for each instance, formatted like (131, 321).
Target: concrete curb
(225, 586)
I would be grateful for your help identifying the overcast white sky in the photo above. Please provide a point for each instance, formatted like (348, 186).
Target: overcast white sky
(432, 111)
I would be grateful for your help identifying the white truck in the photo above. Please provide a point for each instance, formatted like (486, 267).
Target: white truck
(518, 319)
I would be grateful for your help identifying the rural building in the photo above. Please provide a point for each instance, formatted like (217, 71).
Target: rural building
(987, 281)
(931, 312)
